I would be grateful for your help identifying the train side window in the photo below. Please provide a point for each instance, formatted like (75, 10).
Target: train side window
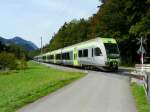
(63, 56)
(52, 56)
(85, 53)
(44, 57)
(80, 53)
(48, 57)
(57, 56)
(68, 56)
(92, 52)
(97, 52)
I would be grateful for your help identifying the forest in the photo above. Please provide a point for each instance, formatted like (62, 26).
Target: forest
(10, 55)
(124, 20)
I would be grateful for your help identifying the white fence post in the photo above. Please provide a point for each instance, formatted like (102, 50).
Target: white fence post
(144, 71)
(148, 81)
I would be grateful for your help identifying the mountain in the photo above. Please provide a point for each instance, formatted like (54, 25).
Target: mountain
(27, 45)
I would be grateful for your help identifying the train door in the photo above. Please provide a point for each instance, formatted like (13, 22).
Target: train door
(98, 58)
(75, 57)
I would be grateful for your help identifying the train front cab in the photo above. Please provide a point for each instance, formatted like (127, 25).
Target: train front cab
(112, 52)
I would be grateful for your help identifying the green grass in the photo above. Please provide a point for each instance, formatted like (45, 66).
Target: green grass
(22, 87)
(140, 98)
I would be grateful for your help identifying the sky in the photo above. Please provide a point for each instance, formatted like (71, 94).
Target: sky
(31, 19)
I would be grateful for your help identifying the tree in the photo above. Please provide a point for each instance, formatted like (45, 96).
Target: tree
(142, 28)
(103, 1)
(23, 64)
(1, 47)
(70, 33)
(8, 61)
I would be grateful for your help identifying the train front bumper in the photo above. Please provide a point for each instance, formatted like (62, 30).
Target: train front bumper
(112, 63)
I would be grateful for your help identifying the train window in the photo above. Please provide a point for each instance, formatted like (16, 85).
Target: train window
(63, 57)
(92, 52)
(97, 52)
(44, 57)
(66, 56)
(85, 53)
(111, 48)
(52, 56)
(48, 57)
(58, 56)
(80, 53)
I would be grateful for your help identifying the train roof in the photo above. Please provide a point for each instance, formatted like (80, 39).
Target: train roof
(102, 40)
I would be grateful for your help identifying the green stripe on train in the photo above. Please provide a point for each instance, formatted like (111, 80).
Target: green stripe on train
(75, 57)
(109, 40)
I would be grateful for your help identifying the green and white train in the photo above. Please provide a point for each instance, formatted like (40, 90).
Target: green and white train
(98, 52)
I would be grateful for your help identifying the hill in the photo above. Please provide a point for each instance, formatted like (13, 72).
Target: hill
(27, 45)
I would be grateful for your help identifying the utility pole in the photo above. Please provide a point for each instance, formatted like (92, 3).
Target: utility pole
(41, 46)
(141, 51)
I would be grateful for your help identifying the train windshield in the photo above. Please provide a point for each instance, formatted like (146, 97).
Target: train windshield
(111, 48)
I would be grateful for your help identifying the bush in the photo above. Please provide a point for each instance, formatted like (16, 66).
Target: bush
(8, 61)
(23, 64)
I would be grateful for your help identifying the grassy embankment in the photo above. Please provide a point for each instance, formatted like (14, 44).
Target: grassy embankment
(140, 98)
(22, 87)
